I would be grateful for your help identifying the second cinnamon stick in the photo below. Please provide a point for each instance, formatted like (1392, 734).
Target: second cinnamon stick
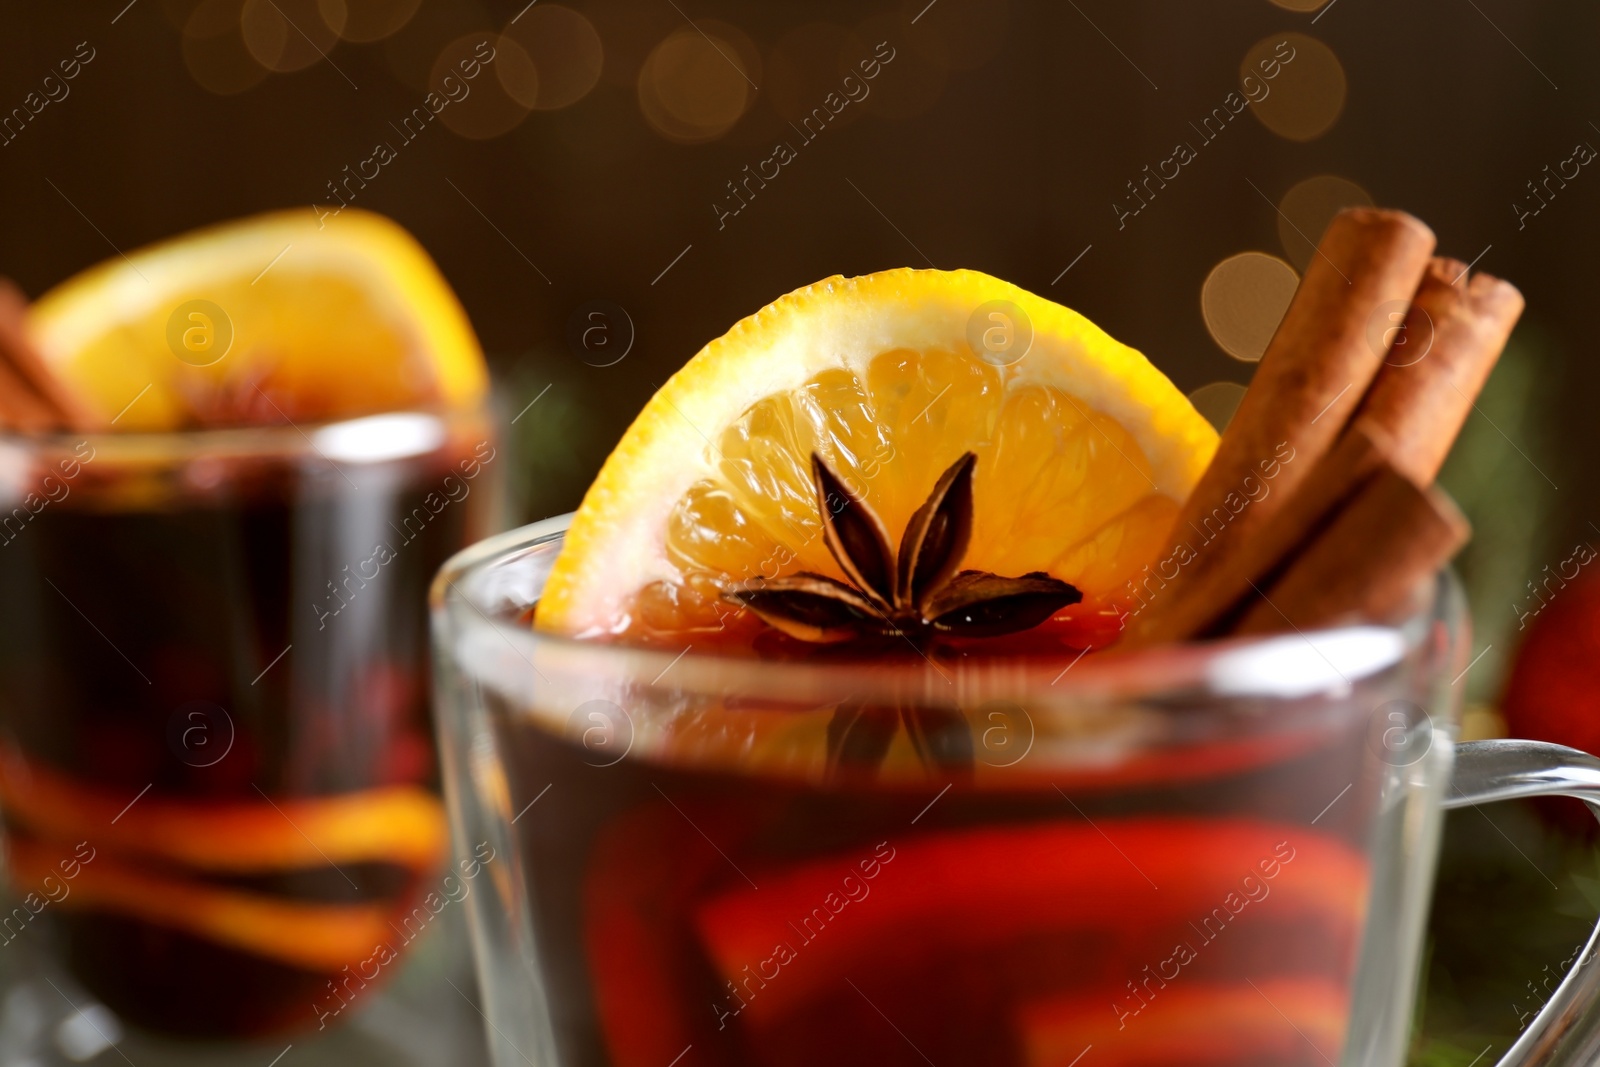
(1366, 563)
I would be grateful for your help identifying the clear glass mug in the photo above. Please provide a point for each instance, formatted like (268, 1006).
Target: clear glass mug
(217, 770)
(1219, 854)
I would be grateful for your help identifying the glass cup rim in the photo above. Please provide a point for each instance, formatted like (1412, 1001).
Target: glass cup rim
(374, 437)
(1228, 671)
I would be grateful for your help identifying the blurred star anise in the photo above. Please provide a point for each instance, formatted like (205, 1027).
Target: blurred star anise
(860, 734)
(918, 594)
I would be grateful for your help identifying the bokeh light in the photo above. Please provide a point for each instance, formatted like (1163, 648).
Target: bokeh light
(517, 72)
(1243, 300)
(1307, 95)
(1217, 402)
(362, 21)
(696, 84)
(1308, 207)
(479, 107)
(214, 51)
(287, 35)
(563, 47)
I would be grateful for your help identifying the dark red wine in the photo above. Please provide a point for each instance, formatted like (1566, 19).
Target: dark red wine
(1183, 912)
(217, 765)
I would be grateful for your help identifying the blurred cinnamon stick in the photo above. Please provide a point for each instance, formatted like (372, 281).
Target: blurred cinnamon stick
(20, 407)
(29, 378)
(32, 398)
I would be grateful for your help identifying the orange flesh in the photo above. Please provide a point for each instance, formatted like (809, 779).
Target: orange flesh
(1057, 488)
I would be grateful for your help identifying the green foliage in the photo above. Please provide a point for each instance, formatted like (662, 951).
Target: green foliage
(1516, 901)
(556, 447)
(1444, 1054)
(1500, 474)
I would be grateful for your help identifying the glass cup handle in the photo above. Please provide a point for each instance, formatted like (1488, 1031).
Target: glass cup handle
(1567, 1030)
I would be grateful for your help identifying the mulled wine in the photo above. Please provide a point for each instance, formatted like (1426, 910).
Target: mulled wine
(217, 766)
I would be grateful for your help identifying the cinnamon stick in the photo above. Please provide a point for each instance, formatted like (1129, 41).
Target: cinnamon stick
(20, 407)
(1309, 381)
(32, 397)
(1453, 336)
(1367, 562)
(1219, 596)
(1454, 333)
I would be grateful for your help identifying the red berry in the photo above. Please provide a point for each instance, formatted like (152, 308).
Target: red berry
(1553, 693)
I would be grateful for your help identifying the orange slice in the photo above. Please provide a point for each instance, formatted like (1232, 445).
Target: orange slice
(304, 934)
(1282, 1020)
(400, 824)
(265, 320)
(1084, 452)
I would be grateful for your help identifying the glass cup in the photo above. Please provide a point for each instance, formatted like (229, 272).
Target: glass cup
(217, 769)
(1217, 854)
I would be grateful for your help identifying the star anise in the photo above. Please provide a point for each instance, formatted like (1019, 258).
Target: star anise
(919, 593)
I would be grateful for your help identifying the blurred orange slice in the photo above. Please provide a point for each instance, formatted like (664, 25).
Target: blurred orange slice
(270, 319)
(1084, 452)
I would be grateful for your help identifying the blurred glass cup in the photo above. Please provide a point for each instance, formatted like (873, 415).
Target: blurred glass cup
(217, 770)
